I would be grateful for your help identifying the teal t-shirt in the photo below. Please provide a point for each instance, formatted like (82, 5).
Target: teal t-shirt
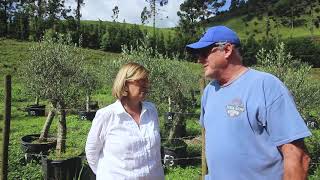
(245, 122)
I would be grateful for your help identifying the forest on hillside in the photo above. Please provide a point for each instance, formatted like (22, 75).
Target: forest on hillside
(30, 20)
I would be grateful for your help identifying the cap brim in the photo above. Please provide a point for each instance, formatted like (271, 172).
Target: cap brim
(194, 47)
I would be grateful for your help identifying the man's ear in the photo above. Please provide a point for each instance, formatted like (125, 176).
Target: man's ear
(228, 49)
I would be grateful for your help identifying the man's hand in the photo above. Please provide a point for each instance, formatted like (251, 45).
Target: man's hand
(296, 160)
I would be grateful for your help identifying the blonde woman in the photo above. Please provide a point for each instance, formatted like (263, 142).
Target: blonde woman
(124, 140)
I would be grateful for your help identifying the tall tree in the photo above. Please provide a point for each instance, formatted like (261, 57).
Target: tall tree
(145, 15)
(154, 11)
(193, 11)
(115, 15)
(41, 10)
(3, 18)
(56, 10)
(289, 11)
(8, 10)
(234, 4)
(78, 16)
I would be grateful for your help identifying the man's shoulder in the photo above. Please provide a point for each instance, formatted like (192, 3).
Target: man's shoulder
(265, 77)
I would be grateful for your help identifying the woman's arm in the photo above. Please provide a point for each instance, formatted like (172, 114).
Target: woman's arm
(96, 139)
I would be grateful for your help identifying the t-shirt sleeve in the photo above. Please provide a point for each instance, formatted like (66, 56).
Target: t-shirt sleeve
(203, 103)
(283, 121)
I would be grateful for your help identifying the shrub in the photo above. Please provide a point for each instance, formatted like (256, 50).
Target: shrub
(305, 49)
(313, 145)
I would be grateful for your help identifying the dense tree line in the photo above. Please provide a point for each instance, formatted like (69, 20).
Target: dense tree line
(31, 19)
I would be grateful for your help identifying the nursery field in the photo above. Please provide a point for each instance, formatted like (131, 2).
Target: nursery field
(13, 53)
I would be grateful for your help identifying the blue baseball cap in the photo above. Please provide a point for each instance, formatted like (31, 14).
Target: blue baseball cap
(216, 34)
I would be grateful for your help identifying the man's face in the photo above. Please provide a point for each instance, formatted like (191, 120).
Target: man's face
(213, 61)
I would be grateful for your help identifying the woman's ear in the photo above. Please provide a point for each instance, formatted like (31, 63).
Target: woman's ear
(125, 92)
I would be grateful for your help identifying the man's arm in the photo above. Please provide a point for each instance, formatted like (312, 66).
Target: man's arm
(296, 160)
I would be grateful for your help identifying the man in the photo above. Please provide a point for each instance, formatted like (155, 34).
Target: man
(252, 127)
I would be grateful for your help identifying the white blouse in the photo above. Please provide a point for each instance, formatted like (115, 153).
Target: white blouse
(117, 148)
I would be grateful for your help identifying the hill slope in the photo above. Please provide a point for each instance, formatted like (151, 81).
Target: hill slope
(284, 19)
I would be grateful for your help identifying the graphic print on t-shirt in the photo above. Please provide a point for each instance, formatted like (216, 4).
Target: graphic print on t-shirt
(235, 108)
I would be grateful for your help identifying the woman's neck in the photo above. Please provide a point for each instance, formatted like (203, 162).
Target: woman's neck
(131, 105)
(133, 108)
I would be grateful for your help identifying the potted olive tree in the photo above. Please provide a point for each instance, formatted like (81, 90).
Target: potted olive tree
(36, 109)
(89, 82)
(171, 80)
(54, 72)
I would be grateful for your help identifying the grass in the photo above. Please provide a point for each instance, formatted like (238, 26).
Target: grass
(23, 125)
(258, 28)
(148, 29)
(315, 74)
(13, 53)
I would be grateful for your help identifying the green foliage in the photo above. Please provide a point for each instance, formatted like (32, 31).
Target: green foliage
(316, 174)
(168, 77)
(313, 146)
(193, 127)
(89, 80)
(54, 71)
(294, 74)
(182, 173)
(305, 49)
(21, 125)
(120, 34)
(78, 130)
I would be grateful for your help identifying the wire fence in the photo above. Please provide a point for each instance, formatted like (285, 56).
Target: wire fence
(168, 160)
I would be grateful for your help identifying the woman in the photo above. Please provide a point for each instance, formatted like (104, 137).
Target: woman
(124, 140)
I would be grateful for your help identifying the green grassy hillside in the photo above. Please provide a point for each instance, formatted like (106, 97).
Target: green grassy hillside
(149, 29)
(258, 28)
(13, 52)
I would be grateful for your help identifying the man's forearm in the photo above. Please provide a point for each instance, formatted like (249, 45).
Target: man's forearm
(296, 169)
(296, 161)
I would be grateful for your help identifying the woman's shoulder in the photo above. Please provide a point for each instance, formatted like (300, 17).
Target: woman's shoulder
(109, 109)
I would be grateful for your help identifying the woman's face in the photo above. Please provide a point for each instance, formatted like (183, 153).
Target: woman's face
(137, 89)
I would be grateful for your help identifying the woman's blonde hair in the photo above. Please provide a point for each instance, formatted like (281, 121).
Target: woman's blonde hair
(130, 71)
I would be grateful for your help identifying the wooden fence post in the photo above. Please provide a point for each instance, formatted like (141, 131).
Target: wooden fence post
(6, 127)
(203, 155)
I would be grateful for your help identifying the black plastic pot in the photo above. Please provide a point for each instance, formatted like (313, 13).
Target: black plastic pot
(87, 115)
(312, 122)
(36, 110)
(172, 153)
(33, 150)
(86, 172)
(170, 119)
(67, 169)
(94, 105)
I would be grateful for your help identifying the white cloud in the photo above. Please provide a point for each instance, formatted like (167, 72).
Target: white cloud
(129, 10)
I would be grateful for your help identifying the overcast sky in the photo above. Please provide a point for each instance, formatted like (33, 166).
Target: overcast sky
(129, 10)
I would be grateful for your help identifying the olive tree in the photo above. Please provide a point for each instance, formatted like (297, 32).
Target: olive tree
(89, 82)
(170, 80)
(294, 74)
(54, 73)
